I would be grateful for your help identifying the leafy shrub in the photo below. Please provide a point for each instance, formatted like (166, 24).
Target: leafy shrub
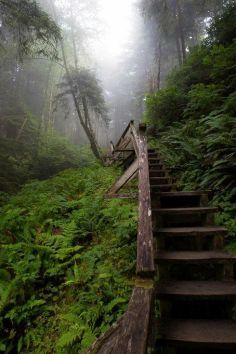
(165, 106)
(67, 259)
(203, 99)
(25, 153)
(223, 27)
(56, 154)
(195, 70)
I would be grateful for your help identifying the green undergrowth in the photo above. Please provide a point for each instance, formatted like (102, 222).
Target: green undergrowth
(193, 120)
(67, 260)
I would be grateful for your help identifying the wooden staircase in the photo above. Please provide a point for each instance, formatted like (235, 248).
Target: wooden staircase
(184, 299)
(196, 290)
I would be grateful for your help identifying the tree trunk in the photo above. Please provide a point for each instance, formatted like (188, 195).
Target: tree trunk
(178, 50)
(181, 29)
(88, 132)
(159, 68)
(73, 37)
(90, 135)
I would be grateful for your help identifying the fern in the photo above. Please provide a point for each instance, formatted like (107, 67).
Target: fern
(65, 262)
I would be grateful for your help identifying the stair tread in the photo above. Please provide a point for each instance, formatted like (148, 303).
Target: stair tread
(186, 210)
(161, 178)
(157, 170)
(196, 256)
(158, 185)
(197, 288)
(182, 194)
(192, 231)
(202, 332)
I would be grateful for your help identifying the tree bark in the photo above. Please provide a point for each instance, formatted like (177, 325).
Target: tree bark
(90, 135)
(178, 50)
(73, 37)
(159, 67)
(89, 132)
(181, 29)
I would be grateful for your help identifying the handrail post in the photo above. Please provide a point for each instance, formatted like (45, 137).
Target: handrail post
(145, 250)
(112, 147)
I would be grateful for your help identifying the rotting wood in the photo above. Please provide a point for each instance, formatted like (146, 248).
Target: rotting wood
(130, 333)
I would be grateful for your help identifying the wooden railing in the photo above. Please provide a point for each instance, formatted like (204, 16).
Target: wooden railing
(131, 333)
(134, 145)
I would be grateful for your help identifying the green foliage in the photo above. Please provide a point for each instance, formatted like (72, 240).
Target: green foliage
(199, 144)
(56, 154)
(26, 153)
(31, 28)
(223, 28)
(202, 100)
(88, 91)
(195, 70)
(165, 106)
(67, 257)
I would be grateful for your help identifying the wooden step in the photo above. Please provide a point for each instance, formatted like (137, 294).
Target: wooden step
(191, 257)
(158, 173)
(159, 180)
(184, 211)
(162, 187)
(153, 158)
(158, 166)
(191, 231)
(204, 333)
(153, 154)
(183, 194)
(197, 289)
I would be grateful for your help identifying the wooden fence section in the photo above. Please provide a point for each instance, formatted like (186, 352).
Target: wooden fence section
(130, 334)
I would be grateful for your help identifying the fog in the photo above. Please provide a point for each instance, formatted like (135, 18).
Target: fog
(117, 19)
(90, 83)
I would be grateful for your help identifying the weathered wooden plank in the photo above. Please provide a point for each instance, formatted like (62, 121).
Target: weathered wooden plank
(119, 150)
(145, 249)
(129, 174)
(112, 147)
(134, 137)
(129, 335)
(124, 133)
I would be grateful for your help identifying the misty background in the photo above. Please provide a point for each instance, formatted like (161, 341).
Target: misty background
(129, 46)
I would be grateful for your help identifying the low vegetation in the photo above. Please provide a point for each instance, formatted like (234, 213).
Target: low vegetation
(67, 259)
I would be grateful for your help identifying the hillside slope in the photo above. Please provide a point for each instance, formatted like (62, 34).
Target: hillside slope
(67, 258)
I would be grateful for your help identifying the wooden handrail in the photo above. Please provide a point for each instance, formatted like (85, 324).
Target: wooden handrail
(140, 167)
(130, 333)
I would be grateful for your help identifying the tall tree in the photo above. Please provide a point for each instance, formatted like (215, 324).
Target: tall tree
(83, 86)
(32, 30)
